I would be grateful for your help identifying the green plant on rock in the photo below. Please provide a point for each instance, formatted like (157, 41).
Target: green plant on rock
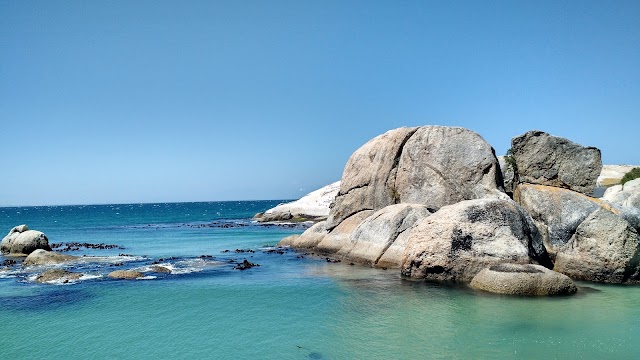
(633, 174)
(510, 160)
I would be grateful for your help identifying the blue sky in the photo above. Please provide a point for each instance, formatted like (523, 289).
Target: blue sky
(154, 101)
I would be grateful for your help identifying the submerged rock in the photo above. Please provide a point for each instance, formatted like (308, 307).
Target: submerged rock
(125, 274)
(459, 240)
(245, 265)
(544, 159)
(20, 241)
(44, 257)
(58, 275)
(518, 279)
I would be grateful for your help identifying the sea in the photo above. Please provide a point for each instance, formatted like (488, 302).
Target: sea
(294, 305)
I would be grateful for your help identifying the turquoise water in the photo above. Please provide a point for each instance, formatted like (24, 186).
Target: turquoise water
(288, 308)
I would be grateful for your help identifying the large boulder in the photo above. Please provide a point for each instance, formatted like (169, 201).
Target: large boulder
(459, 240)
(556, 212)
(431, 165)
(554, 161)
(313, 206)
(20, 241)
(587, 238)
(368, 180)
(442, 165)
(44, 257)
(380, 235)
(528, 280)
(604, 248)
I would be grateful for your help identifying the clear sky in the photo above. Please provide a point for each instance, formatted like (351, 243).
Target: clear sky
(159, 101)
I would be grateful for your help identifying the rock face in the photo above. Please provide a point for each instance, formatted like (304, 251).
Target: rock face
(20, 241)
(313, 206)
(376, 236)
(549, 160)
(528, 280)
(627, 195)
(44, 257)
(125, 274)
(587, 238)
(459, 240)
(57, 275)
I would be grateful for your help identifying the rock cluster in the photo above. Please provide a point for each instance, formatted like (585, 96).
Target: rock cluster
(431, 201)
(20, 241)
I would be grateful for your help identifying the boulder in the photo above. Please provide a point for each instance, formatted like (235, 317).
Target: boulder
(627, 195)
(442, 165)
(518, 279)
(125, 274)
(307, 240)
(556, 212)
(587, 238)
(20, 241)
(338, 237)
(44, 257)
(57, 275)
(377, 235)
(544, 159)
(368, 180)
(431, 165)
(459, 240)
(604, 248)
(313, 206)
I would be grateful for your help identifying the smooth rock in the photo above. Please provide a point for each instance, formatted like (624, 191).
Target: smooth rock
(442, 165)
(377, 234)
(44, 257)
(20, 241)
(544, 159)
(604, 248)
(313, 206)
(368, 180)
(307, 240)
(518, 279)
(57, 275)
(459, 240)
(338, 237)
(125, 274)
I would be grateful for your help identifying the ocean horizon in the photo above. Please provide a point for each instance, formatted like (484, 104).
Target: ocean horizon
(292, 306)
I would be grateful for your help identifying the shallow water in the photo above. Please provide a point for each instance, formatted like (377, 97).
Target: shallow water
(287, 308)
